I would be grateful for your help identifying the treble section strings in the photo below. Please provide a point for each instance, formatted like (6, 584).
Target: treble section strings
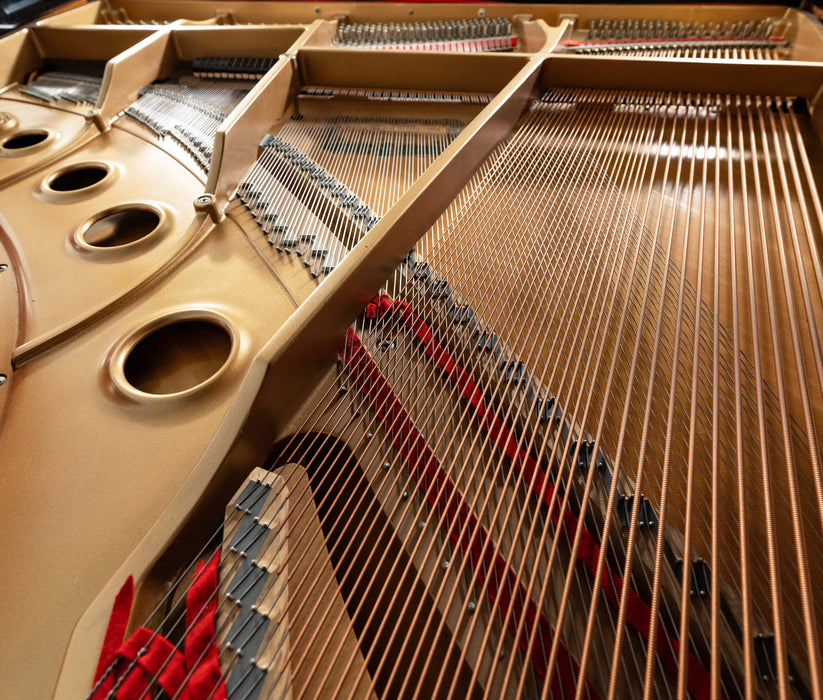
(74, 86)
(482, 34)
(188, 114)
(341, 159)
(378, 143)
(676, 39)
(427, 146)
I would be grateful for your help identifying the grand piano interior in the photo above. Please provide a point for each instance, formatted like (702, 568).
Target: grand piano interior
(411, 350)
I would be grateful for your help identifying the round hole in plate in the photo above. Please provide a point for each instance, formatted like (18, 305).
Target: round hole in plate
(78, 178)
(177, 357)
(25, 139)
(121, 227)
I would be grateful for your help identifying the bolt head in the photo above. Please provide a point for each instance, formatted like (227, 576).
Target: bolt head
(3, 379)
(4, 267)
(204, 199)
(7, 121)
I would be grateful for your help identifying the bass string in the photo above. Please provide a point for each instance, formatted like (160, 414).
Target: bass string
(791, 476)
(765, 470)
(656, 584)
(617, 465)
(561, 223)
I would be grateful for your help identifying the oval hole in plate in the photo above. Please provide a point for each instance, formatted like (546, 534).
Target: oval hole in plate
(78, 178)
(25, 139)
(121, 227)
(177, 357)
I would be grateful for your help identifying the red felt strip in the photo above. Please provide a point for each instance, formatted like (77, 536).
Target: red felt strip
(201, 653)
(638, 613)
(116, 630)
(147, 656)
(159, 659)
(686, 40)
(441, 493)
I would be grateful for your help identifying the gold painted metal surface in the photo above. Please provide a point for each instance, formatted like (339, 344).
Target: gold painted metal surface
(48, 228)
